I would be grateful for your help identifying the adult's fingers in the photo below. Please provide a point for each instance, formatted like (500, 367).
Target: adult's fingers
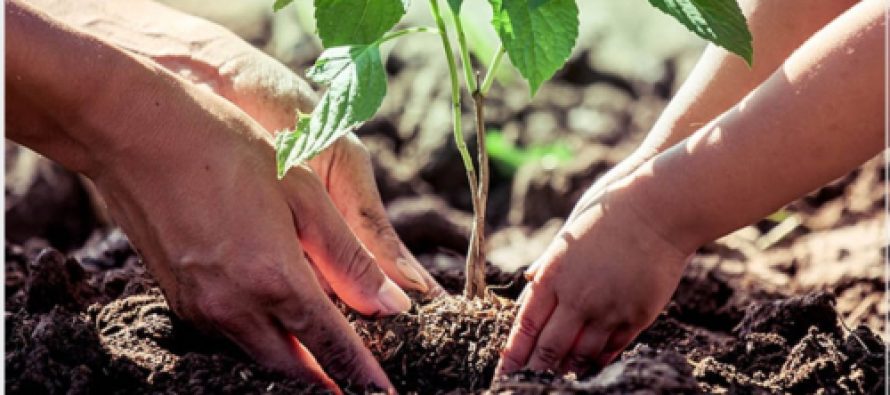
(268, 343)
(324, 331)
(588, 346)
(320, 277)
(533, 314)
(347, 171)
(342, 259)
(556, 339)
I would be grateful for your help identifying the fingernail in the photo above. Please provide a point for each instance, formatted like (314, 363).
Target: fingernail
(529, 273)
(392, 297)
(407, 269)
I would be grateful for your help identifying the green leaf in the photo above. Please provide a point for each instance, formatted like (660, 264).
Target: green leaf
(285, 145)
(718, 21)
(279, 4)
(356, 22)
(538, 34)
(455, 5)
(356, 82)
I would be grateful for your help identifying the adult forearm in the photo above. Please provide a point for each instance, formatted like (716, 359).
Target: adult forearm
(143, 27)
(197, 50)
(66, 89)
(817, 117)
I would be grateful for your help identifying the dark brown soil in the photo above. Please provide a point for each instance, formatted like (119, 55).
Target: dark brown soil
(448, 344)
(73, 328)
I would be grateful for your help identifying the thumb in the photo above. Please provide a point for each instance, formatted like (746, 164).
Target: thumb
(347, 171)
(339, 256)
(554, 251)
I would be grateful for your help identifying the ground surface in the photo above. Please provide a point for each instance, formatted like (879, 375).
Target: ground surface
(791, 304)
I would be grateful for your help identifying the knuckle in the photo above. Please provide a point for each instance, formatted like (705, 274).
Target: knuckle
(303, 323)
(265, 281)
(341, 361)
(357, 263)
(528, 327)
(271, 291)
(215, 312)
(547, 354)
(378, 223)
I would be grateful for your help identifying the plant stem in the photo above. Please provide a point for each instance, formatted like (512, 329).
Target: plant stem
(492, 69)
(470, 290)
(410, 30)
(464, 52)
(478, 272)
(475, 272)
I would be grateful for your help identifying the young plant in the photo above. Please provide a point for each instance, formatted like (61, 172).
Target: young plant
(537, 35)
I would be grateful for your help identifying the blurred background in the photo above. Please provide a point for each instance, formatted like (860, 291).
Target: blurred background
(545, 151)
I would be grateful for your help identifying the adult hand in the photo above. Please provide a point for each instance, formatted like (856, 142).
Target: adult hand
(191, 179)
(253, 81)
(214, 58)
(603, 279)
(198, 197)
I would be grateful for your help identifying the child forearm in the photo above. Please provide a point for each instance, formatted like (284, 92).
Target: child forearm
(720, 79)
(820, 115)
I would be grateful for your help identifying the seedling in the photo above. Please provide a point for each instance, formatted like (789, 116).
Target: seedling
(537, 35)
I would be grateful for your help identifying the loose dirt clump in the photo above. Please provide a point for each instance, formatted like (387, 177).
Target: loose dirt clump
(450, 343)
(642, 369)
(785, 345)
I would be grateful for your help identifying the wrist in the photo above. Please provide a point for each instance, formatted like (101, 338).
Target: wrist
(668, 212)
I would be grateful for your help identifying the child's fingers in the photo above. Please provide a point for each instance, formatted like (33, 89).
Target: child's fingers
(530, 321)
(587, 348)
(616, 344)
(556, 339)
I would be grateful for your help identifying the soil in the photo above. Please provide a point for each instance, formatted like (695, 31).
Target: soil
(100, 325)
(792, 304)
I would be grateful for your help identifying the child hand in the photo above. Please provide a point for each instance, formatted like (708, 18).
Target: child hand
(604, 279)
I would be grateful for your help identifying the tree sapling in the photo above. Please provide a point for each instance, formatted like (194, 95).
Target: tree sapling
(537, 35)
